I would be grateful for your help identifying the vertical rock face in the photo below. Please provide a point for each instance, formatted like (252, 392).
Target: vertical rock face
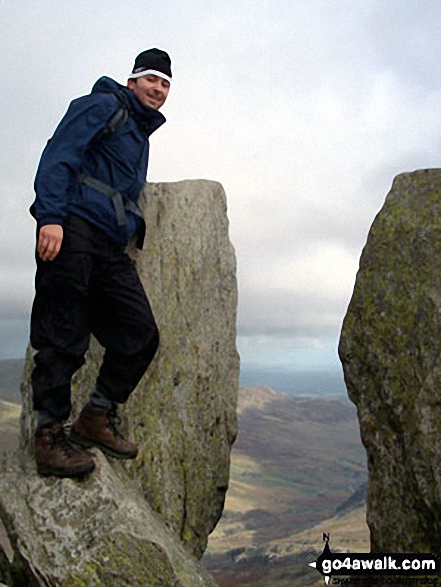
(183, 412)
(390, 348)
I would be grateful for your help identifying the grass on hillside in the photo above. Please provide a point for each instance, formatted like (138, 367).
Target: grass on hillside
(284, 562)
(9, 426)
(294, 462)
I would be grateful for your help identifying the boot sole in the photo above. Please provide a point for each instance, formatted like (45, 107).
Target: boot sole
(86, 443)
(46, 471)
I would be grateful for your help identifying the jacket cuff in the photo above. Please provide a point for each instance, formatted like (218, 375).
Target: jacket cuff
(50, 220)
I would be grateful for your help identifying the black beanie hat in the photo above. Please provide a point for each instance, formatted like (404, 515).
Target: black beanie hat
(152, 61)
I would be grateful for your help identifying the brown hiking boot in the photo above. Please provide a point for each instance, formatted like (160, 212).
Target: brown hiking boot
(56, 456)
(97, 427)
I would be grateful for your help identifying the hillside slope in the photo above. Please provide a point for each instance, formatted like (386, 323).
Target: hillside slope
(298, 470)
(11, 371)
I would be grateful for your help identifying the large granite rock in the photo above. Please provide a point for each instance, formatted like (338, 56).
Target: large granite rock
(390, 348)
(97, 532)
(183, 412)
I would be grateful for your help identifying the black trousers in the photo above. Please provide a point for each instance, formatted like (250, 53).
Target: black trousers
(92, 286)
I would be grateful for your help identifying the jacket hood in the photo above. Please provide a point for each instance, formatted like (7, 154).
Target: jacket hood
(153, 117)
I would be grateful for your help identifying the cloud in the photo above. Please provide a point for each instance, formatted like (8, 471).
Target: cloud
(304, 111)
(303, 297)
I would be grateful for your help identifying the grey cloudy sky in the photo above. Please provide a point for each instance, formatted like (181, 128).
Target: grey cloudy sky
(303, 110)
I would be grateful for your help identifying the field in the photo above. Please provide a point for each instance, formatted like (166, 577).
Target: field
(9, 425)
(296, 460)
(298, 470)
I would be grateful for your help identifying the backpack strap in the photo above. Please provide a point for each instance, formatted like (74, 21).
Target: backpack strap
(114, 195)
(121, 202)
(118, 119)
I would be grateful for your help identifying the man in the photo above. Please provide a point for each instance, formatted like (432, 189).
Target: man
(87, 186)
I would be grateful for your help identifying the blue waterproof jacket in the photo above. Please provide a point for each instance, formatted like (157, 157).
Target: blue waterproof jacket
(119, 160)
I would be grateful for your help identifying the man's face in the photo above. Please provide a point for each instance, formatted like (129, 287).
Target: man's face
(151, 90)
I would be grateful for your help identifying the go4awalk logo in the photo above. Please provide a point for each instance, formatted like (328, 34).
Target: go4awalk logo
(331, 564)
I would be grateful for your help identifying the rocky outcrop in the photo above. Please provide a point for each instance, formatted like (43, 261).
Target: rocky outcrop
(183, 412)
(390, 348)
(97, 532)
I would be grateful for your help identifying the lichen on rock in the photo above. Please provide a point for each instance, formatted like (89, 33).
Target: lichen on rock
(390, 347)
(95, 532)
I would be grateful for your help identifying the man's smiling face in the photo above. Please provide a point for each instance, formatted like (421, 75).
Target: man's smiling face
(151, 90)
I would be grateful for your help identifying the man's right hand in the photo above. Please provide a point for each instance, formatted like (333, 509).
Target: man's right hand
(49, 241)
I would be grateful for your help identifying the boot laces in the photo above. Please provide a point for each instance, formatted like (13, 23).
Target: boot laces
(114, 421)
(60, 440)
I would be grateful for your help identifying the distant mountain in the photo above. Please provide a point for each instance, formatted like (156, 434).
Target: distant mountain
(285, 562)
(9, 426)
(11, 371)
(295, 383)
(297, 461)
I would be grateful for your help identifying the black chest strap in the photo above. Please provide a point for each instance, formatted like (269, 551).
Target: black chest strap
(121, 203)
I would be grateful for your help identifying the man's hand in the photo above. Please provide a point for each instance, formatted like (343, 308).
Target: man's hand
(49, 241)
